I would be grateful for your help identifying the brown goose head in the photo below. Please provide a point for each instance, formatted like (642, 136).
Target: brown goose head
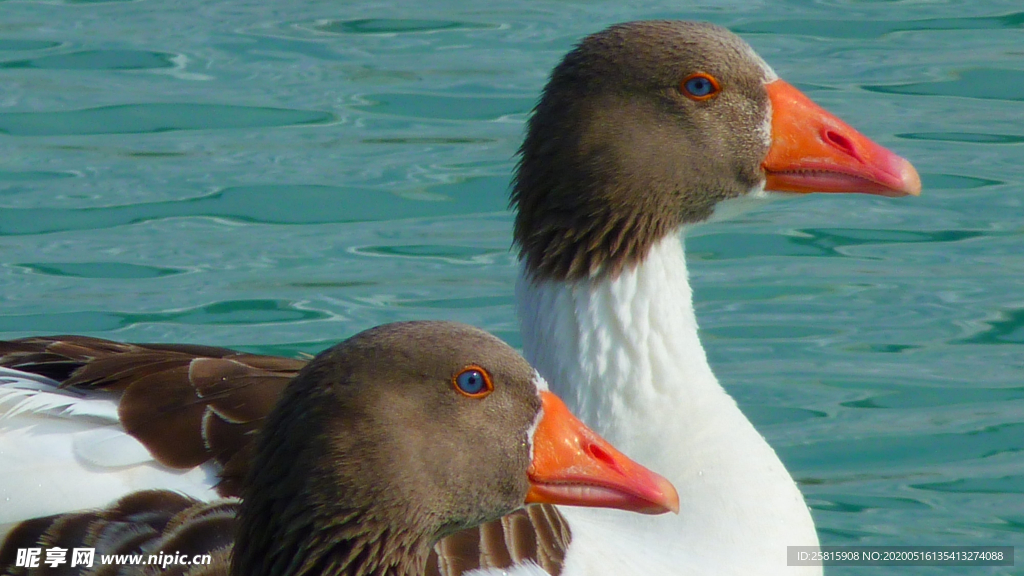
(647, 126)
(409, 432)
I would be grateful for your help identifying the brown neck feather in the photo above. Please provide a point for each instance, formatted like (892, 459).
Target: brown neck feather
(582, 209)
(309, 507)
(357, 545)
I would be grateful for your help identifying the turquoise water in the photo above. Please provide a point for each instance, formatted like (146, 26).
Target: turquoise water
(277, 176)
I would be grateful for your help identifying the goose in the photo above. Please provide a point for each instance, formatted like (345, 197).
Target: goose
(643, 131)
(378, 448)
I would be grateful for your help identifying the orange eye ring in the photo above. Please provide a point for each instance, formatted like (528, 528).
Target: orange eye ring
(473, 382)
(700, 87)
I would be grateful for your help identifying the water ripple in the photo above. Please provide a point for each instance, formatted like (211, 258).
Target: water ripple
(763, 415)
(967, 137)
(445, 107)
(906, 451)
(865, 29)
(824, 242)
(152, 118)
(25, 45)
(395, 26)
(233, 312)
(1008, 328)
(33, 176)
(97, 60)
(282, 204)
(977, 83)
(851, 503)
(1003, 485)
(110, 270)
(445, 253)
(956, 182)
(920, 397)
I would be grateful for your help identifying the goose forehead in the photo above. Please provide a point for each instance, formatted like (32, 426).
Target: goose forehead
(711, 45)
(768, 72)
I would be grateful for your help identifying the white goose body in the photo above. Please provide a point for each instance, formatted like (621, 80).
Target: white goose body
(625, 354)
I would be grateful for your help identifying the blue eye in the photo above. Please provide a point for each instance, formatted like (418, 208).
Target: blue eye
(700, 87)
(470, 381)
(473, 381)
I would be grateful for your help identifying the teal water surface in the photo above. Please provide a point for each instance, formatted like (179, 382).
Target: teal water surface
(276, 176)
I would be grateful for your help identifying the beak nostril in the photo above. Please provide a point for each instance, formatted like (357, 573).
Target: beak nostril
(841, 142)
(598, 453)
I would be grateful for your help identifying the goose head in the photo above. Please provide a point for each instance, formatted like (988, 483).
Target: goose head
(648, 126)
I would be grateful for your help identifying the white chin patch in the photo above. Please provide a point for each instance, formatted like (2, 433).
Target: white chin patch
(765, 129)
(542, 386)
(533, 430)
(540, 382)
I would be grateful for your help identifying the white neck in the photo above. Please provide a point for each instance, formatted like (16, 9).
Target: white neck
(625, 355)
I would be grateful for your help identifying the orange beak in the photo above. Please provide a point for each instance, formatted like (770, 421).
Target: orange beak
(574, 466)
(813, 151)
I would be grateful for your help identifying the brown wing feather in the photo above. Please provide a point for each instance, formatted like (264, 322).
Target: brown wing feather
(158, 521)
(537, 533)
(145, 523)
(186, 404)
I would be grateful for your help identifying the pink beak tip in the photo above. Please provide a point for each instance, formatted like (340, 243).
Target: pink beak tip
(910, 179)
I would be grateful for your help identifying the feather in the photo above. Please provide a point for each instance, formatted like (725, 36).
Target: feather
(110, 447)
(29, 398)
